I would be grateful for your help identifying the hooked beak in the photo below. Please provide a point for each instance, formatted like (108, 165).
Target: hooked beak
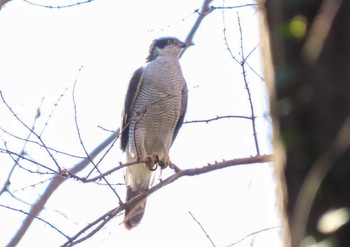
(184, 45)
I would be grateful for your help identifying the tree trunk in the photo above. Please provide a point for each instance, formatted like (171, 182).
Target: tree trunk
(309, 42)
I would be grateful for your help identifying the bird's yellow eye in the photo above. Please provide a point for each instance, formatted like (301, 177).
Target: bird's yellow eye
(170, 41)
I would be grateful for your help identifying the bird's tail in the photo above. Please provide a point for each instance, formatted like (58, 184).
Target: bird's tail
(134, 212)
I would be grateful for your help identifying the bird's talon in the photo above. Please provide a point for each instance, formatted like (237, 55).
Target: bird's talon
(152, 164)
(162, 165)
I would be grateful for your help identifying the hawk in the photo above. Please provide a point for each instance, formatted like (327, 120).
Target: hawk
(154, 110)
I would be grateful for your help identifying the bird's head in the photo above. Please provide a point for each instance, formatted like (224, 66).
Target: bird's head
(165, 46)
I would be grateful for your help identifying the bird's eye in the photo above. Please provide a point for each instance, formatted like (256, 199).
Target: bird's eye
(170, 41)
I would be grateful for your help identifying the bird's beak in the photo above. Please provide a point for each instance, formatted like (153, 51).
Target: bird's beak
(183, 44)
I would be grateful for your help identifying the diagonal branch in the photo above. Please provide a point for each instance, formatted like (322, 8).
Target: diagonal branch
(203, 230)
(205, 10)
(36, 217)
(31, 130)
(54, 184)
(7, 182)
(252, 234)
(101, 221)
(3, 2)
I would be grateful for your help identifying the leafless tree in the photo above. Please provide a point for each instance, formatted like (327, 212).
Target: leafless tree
(91, 160)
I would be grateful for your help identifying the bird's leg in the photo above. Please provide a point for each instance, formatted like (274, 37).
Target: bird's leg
(153, 161)
(165, 161)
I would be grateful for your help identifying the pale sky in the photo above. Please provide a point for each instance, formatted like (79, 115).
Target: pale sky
(41, 53)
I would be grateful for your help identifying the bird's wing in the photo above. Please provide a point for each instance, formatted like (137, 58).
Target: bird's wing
(133, 91)
(183, 111)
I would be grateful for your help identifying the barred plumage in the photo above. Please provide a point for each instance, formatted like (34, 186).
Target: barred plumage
(154, 110)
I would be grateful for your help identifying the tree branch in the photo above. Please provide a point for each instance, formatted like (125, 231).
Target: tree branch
(252, 234)
(203, 230)
(58, 6)
(247, 87)
(36, 217)
(3, 2)
(7, 182)
(242, 62)
(31, 130)
(205, 10)
(180, 173)
(54, 184)
(217, 118)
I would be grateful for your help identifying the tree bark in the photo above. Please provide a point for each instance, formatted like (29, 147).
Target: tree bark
(309, 44)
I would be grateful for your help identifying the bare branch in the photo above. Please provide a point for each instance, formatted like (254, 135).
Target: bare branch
(54, 184)
(81, 140)
(102, 175)
(234, 7)
(200, 225)
(252, 234)
(247, 87)
(58, 6)
(52, 111)
(180, 173)
(76, 116)
(3, 2)
(20, 156)
(242, 63)
(217, 118)
(27, 140)
(31, 130)
(205, 10)
(7, 182)
(31, 186)
(37, 218)
(254, 71)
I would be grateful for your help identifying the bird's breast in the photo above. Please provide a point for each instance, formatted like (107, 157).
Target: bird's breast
(158, 104)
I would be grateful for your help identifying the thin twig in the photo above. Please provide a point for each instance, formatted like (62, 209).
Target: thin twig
(200, 225)
(58, 6)
(242, 63)
(76, 116)
(52, 111)
(109, 172)
(7, 182)
(37, 218)
(21, 156)
(216, 118)
(253, 234)
(234, 7)
(104, 219)
(52, 187)
(247, 87)
(228, 48)
(254, 71)
(32, 185)
(31, 130)
(27, 140)
(80, 137)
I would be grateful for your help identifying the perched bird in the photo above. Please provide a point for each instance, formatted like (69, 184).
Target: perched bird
(154, 110)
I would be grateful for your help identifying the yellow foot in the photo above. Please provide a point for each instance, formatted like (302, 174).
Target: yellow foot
(153, 161)
(165, 162)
